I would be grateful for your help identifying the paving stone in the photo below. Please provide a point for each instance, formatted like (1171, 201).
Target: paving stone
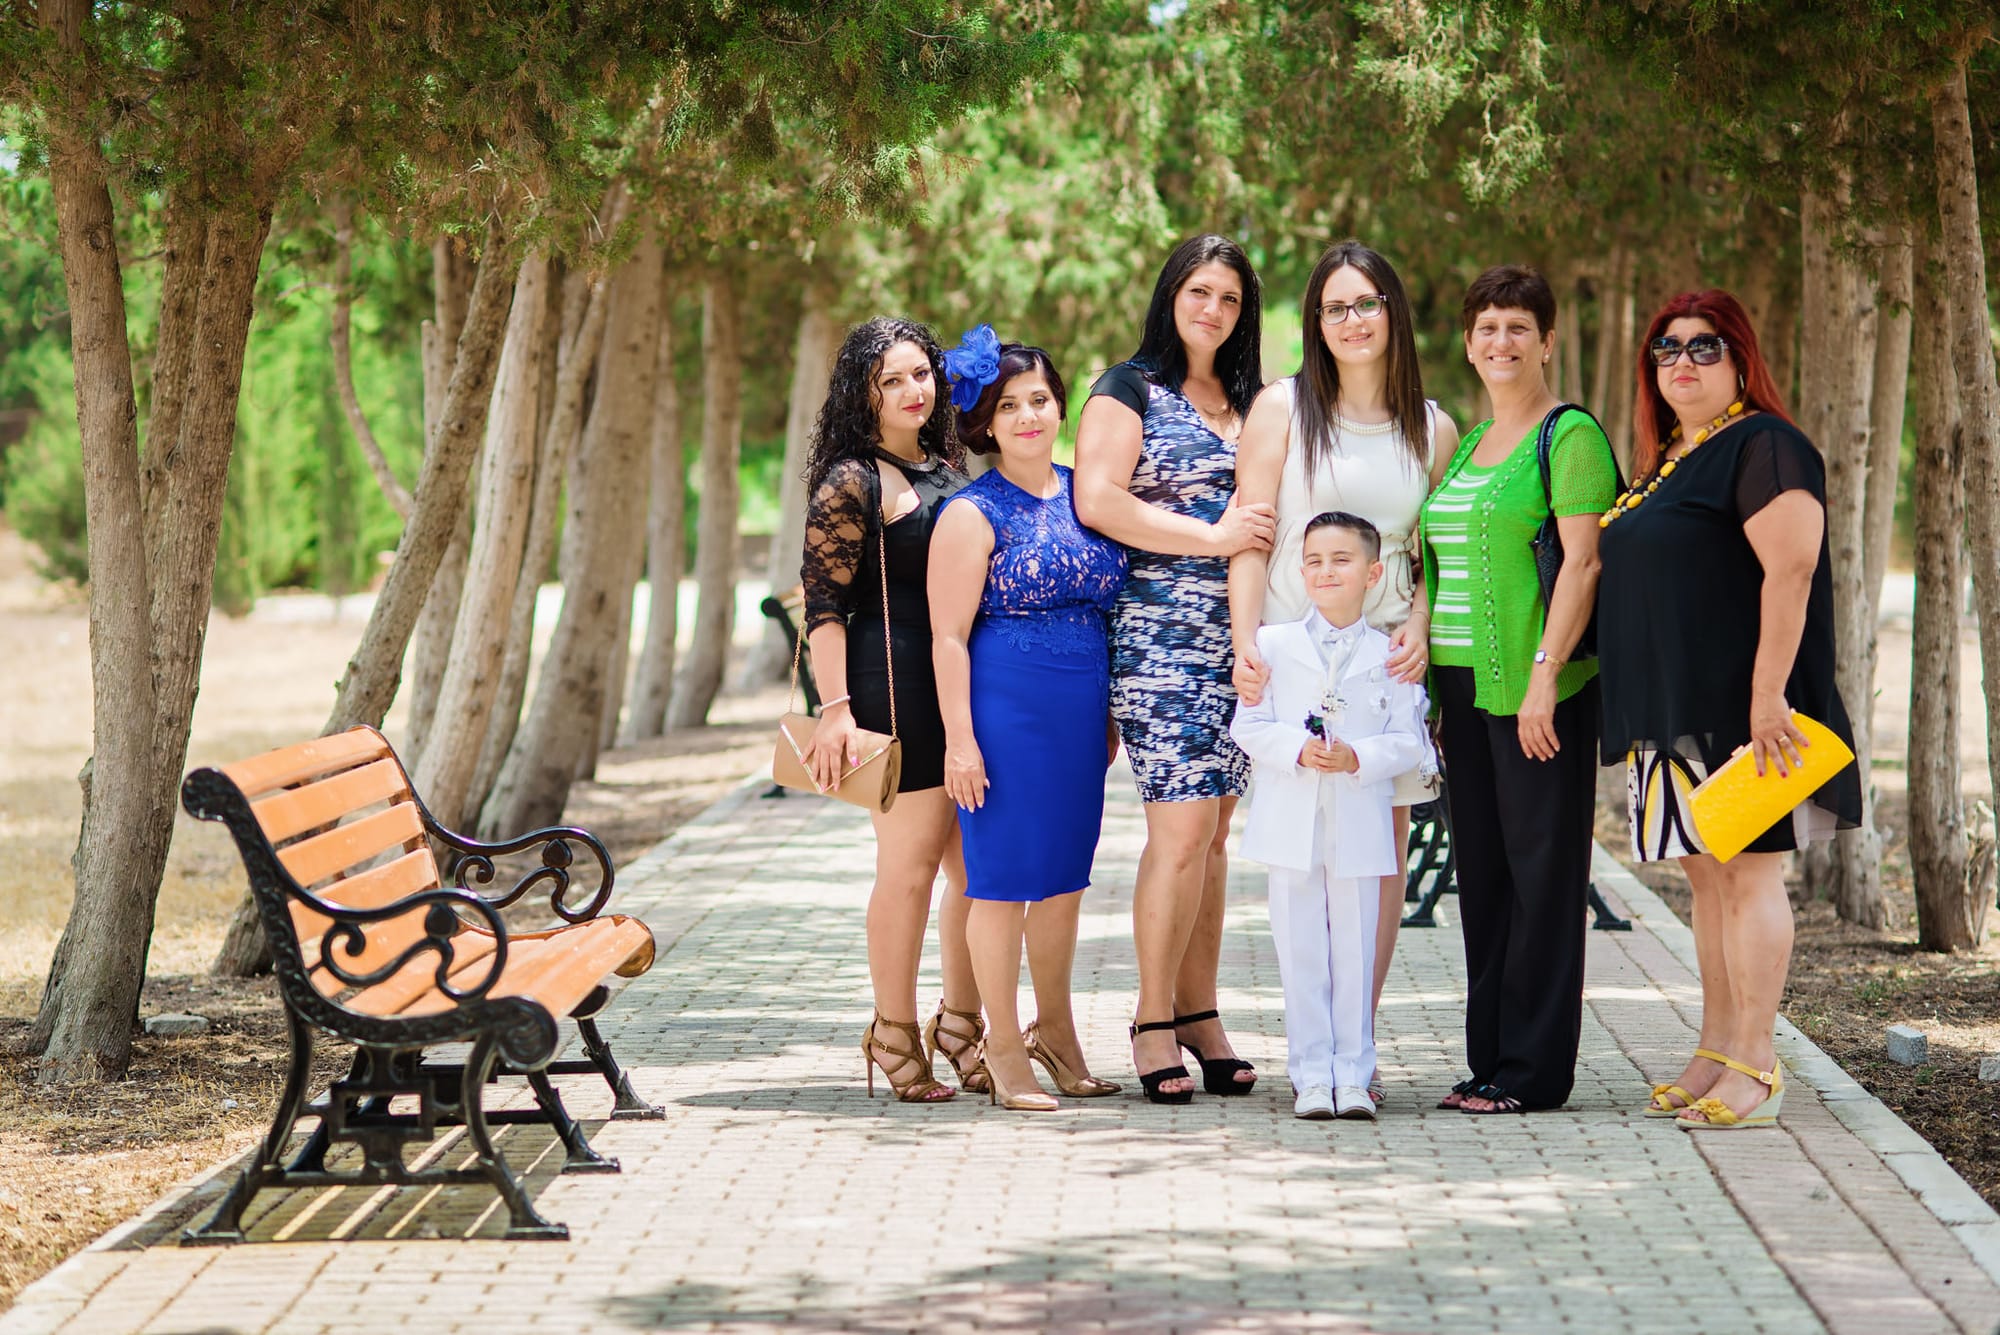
(777, 1194)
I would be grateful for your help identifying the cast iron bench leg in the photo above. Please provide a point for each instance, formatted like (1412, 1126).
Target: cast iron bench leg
(523, 1222)
(580, 1157)
(626, 1104)
(226, 1223)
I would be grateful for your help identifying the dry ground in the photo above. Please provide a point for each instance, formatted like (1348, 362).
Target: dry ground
(72, 1163)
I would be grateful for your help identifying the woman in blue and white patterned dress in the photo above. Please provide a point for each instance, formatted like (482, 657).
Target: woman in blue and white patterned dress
(1156, 470)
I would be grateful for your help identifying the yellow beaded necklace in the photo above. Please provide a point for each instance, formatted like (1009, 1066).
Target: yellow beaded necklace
(1631, 498)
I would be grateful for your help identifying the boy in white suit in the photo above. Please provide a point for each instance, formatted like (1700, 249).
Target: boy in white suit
(1332, 732)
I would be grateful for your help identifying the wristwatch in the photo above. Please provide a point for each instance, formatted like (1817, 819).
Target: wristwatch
(1544, 656)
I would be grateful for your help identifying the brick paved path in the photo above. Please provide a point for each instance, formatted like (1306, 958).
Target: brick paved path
(775, 1193)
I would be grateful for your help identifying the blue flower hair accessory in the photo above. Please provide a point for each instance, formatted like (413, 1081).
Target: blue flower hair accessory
(972, 365)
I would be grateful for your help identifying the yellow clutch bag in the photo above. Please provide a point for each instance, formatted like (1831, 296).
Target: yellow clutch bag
(1735, 804)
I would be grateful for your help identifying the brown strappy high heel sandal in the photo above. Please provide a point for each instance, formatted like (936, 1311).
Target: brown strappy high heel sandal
(1076, 1086)
(964, 1058)
(909, 1075)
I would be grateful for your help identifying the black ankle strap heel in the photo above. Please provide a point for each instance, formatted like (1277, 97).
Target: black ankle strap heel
(1217, 1076)
(1152, 1080)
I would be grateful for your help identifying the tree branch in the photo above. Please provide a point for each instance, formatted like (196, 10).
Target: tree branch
(343, 366)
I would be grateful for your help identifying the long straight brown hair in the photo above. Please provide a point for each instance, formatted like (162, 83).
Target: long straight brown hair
(1317, 395)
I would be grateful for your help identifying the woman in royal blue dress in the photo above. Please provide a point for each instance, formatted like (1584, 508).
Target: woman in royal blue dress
(1020, 595)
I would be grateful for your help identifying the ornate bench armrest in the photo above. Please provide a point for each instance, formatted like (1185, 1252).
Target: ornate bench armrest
(470, 867)
(348, 934)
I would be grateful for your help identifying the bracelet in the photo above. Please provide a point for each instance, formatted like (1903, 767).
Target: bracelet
(825, 705)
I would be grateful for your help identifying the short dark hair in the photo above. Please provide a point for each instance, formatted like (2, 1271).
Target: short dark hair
(1371, 537)
(1238, 362)
(1510, 287)
(975, 424)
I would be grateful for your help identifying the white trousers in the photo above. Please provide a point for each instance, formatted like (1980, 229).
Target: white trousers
(1324, 928)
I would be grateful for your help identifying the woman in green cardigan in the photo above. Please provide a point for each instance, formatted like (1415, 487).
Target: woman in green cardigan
(1520, 718)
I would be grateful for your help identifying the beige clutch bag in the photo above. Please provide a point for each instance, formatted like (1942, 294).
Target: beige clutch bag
(1735, 804)
(871, 782)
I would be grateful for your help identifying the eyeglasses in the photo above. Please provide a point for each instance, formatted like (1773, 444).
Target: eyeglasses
(1367, 308)
(1702, 349)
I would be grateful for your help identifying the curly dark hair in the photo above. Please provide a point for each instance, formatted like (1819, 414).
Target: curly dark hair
(975, 424)
(847, 426)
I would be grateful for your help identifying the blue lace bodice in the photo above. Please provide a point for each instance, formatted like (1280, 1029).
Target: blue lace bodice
(1051, 582)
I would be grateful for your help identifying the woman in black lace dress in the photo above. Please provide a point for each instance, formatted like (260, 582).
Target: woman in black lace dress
(884, 459)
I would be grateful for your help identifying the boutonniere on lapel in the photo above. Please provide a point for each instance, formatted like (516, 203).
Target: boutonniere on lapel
(1332, 705)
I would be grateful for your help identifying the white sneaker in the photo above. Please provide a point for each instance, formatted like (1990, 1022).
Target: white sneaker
(1315, 1104)
(1352, 1101)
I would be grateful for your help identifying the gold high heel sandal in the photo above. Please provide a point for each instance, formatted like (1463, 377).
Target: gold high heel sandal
(1039, 1101)
(971, 1078)
(1076, 1086)
(909, 1075)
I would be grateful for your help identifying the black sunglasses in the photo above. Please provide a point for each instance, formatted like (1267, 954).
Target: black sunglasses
(1702, 349)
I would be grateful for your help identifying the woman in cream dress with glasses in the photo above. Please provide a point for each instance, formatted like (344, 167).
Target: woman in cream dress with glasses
(1351, 431)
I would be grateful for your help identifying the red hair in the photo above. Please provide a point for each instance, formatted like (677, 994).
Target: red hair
(1651, 418)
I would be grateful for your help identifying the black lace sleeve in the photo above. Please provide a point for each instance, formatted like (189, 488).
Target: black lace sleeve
(1776, 458)
(836, 527)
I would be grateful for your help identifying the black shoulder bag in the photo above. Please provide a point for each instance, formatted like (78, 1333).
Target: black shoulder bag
(1547, 542)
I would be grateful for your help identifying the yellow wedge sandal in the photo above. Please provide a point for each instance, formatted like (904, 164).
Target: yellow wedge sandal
(1658, 1107)
(1718, 1116)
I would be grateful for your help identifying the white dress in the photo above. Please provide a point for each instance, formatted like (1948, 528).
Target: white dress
(1371, 474)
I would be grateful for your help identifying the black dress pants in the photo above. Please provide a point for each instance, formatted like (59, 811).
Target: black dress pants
(1522, 831)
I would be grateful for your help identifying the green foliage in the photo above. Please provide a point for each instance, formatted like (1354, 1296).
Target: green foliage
(42, 477)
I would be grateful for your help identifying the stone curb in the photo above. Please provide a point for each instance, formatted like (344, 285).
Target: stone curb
(1919, 1167)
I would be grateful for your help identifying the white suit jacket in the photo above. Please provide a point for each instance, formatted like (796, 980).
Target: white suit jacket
(1382, 719)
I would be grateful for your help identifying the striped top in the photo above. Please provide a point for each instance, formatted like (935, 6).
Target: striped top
(1479, 565)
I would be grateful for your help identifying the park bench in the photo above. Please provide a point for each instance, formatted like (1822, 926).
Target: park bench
(374, 949)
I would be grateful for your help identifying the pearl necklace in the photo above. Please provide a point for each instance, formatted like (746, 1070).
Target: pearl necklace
(1632, 497)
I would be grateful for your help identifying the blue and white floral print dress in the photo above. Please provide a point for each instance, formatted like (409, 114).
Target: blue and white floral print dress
(1171, 656)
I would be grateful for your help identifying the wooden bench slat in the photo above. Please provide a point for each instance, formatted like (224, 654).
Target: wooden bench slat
(305, 760)
(419, 977)
(385, 940)
(296, 810)
(316, 857)
(371, 889)
(560, 969)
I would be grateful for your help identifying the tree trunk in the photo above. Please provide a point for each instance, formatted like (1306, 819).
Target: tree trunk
(1886, 404)
(506, 482)
(1610, 356)
(1625, 384)
(621, 656)
(599, 537)
(1569, 346)
(1948, 918)
(1838, 373)
(340, 323)
(666, 557)
(716, 547)
(430, 642)
(812, 362)
(1978, 393)
(369, 687)
(85, 1024)
(578, 334)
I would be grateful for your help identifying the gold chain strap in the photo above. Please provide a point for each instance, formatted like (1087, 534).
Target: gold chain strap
(888, 650)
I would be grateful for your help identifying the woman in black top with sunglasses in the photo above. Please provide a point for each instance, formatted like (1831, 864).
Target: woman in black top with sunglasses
(1715, 622)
